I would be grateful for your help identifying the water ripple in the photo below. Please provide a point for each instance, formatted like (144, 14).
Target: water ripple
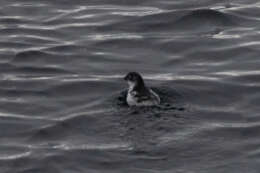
(22, 117)
(103, 37)
(239, 73)
(69, 147)
(15, 156)
(63, 97)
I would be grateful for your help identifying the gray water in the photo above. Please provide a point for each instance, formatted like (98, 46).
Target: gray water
(62, 93)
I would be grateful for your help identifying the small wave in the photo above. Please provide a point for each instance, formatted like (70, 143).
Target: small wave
(20, 116)
(13, 151)
(63, 26)
(15, 45)
(9, 20)
(200, 19)
(30, 31)
(205, 18)
(29, 56)
(15, 156)
(37, 39)
(42, 57)
(41, 70)
(118, 146)
(67, 49)
(104, 37)
(21, 5)
(238, 73)
(142, 11)
(159, 77)
(5, 67)
(29, 61)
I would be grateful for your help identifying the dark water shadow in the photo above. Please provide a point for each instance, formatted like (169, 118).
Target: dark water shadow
(144, 125)
(190, 21)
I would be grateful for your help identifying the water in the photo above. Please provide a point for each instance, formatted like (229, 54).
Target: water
(62, 104)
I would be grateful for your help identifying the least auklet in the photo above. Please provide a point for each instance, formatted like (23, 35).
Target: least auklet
(138, 94)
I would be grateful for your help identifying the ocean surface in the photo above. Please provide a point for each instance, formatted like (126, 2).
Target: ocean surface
(62, 93)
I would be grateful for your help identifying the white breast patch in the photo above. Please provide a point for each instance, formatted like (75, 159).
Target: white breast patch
(151, 100)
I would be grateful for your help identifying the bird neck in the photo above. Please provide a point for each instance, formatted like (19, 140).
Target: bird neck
(139, 87)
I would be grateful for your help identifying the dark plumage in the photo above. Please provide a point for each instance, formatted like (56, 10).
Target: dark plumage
(138, 94)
